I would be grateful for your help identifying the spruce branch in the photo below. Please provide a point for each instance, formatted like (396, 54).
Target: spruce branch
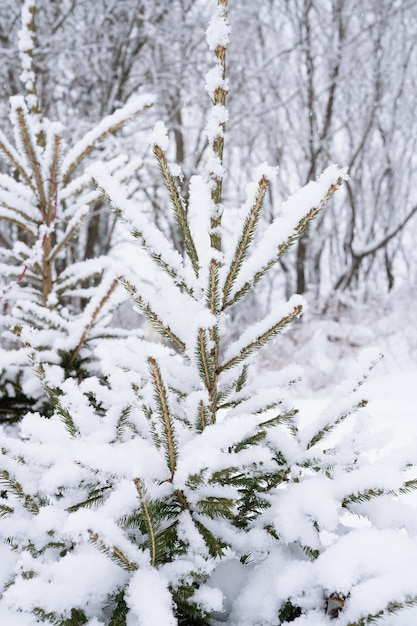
(123, 423)
(161, 398)
(246, 237)
(46, 271)
(215, 506)
(312, 553)
(158, 250)
(67, 238)
(203, 417)
(23, 226)
(63, 413)
(391, 609)
(369, 494)
(284, 247)
(213, 303)
(250, 441)
(242, 378)
(120, 612)
(113, 552)
(262, 339)
(330, 426)
(95, 497)
(232, 403)
(407, 487)
(148, 520)
(77, 617)
(204, 360)
(50, 617)
(215, 546)
(53, 179)
(362, 496)
(152, 317)
(5, 510)
(235, 390)
(30, 150)
(163, 263)
(39, 317)
(180, 211)
(93, 319)
(15, 160)
(189, 611)
(282, 418)
(108, 126)
(54, 393)
(16, 489)
(213, 292)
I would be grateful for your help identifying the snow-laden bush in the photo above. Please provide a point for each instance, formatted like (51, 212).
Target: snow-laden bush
(184, 488)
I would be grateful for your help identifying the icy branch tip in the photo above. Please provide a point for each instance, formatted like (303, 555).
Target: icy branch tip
(339, 174)
(98, 171)
(268, 172)
(369, 358)
(344, 174)
(159, 136)
(297, 301)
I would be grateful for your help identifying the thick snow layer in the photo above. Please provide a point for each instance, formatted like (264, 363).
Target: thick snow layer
(218, 31)
(373, 564)
(81, 569)
(215, 80)
(159, 136)
(149, 599)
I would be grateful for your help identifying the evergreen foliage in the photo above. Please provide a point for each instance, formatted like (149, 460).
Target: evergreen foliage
(140, 493)
(45, 196)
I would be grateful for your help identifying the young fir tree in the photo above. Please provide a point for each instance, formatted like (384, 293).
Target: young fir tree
(186, 490)
(45, 196)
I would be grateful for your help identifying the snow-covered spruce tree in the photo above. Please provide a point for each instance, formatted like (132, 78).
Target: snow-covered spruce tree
(187, 490)
(49, 288)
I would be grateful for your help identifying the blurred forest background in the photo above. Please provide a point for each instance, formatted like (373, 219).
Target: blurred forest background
(312, 82)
